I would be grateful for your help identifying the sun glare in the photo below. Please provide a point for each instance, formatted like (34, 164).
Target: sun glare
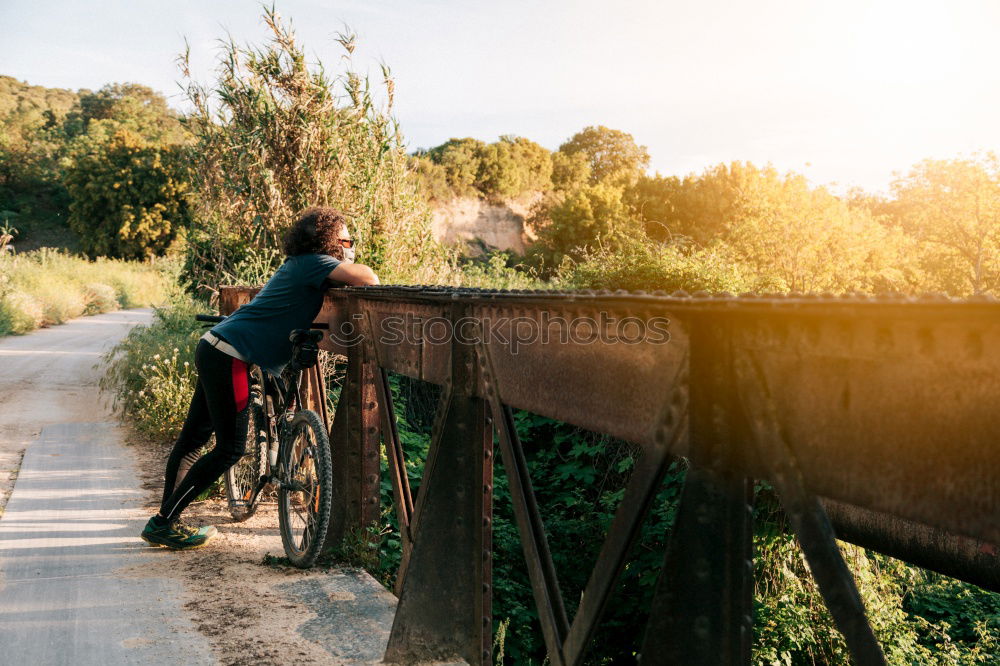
(905, 43)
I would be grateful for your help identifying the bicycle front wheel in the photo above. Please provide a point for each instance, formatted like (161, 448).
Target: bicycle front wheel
(243, 480)
(305, 496)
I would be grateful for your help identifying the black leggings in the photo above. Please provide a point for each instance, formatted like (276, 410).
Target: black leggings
(220, 405)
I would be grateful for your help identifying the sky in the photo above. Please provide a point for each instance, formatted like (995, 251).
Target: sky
(845, 92)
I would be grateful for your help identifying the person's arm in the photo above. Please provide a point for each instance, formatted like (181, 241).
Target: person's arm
(355, 275)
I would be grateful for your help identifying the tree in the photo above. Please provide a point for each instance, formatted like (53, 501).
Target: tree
(612, 154)
(569, 171)
(130, 196)
(792, 236)
(532, 162)
(461, 161)
(497, 175)
(952, 207)
(653, 199)
(31, 144)
(130, 106)
(592, 216)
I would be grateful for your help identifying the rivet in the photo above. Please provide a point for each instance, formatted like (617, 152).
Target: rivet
(701, 627)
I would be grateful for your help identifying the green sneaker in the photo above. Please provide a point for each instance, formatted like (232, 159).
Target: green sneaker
(175, 534)
(207, 531)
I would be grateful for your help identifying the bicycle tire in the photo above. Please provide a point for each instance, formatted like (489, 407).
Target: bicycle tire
(242, 479)
(304, 512)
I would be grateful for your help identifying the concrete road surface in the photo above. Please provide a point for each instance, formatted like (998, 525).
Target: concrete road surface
(70, 524)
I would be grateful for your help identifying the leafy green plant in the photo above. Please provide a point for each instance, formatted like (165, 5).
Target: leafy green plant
(151, 371)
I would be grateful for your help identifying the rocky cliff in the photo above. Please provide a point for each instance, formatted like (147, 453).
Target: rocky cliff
(476, 224)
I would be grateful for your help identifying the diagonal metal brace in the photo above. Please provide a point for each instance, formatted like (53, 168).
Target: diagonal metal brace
(541, 569)
(809, 520)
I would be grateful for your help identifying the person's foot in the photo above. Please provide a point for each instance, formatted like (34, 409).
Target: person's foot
(175, 534)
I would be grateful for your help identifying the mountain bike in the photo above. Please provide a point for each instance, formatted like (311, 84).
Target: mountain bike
(287, 450)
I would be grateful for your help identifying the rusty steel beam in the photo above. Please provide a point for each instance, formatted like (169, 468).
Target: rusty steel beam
(960, 557)
(882, 410)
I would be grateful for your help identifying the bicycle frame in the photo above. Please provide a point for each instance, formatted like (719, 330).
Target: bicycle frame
(285, 397)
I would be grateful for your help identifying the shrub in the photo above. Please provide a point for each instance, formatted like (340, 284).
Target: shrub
(19, 313)
(46, 287)
(130, 196)
(99, 298)
(649, 266)
(151, 373)
(571, 224)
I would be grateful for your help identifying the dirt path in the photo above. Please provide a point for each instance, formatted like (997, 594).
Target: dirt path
(50, 376)
(256, 612)
(223, 596)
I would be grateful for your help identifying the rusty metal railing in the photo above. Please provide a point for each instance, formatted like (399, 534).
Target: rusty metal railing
(873, 419)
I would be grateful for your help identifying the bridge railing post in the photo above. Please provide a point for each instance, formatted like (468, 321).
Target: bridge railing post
(354, 440)
(444, 609)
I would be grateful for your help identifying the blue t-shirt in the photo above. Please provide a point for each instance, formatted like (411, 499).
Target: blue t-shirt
(291, 299)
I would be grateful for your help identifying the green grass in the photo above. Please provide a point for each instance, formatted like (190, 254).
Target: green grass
(47, 287)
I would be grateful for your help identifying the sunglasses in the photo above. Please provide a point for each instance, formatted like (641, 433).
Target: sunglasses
(346, 242)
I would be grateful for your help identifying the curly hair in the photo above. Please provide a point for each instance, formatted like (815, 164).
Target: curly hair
(316, 232)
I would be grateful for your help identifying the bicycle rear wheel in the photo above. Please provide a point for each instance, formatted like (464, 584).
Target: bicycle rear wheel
(243, 478)
(305, 496)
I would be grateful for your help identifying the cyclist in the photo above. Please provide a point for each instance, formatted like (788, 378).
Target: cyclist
(318, 251)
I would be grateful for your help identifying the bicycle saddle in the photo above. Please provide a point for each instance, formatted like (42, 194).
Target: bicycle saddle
(305, 335)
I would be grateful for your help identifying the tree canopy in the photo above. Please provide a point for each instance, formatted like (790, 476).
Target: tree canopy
(131, 197)
(610, 153)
